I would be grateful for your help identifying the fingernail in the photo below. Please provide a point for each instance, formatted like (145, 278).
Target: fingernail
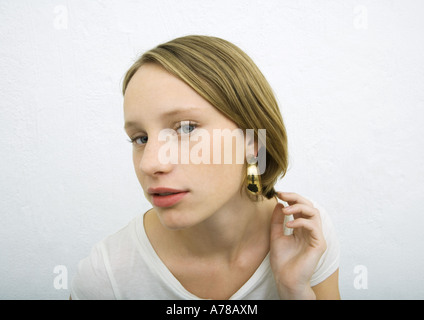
(288, 209)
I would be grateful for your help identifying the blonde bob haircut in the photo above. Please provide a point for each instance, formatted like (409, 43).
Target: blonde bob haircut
(228, 79)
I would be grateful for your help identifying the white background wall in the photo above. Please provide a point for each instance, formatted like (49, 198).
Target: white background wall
(350, 79)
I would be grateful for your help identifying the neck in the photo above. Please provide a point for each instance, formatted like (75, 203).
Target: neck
(236, 226)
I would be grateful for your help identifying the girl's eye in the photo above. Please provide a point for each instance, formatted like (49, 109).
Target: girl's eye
(186, 128)
(139, 140)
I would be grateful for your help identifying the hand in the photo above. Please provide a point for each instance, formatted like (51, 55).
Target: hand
(294, 257)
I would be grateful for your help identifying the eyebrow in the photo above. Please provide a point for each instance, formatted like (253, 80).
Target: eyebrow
(168, 114)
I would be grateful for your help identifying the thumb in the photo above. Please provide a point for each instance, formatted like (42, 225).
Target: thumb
(277, 221)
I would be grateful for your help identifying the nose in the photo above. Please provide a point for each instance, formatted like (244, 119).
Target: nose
(158, 156)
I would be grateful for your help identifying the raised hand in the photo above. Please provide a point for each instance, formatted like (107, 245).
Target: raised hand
(294, 257)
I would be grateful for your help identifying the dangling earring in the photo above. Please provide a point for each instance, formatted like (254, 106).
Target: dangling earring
(254, 185)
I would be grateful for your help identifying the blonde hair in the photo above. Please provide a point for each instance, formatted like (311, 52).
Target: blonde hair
(228, 79)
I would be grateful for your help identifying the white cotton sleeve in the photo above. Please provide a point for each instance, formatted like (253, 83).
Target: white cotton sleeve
(92, 281)
(329, 261)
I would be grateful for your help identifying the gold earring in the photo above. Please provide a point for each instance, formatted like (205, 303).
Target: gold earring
(254, 185)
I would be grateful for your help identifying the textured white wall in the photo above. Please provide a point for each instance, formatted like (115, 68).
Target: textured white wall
(349, 76)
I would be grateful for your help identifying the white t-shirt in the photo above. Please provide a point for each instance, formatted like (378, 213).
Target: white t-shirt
(125, 266)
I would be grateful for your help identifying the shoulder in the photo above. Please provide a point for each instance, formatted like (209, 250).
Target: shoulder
(91, 280)
(329, 262)
(326, 220)
(95, 274)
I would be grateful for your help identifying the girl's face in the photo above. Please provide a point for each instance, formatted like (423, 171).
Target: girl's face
(165, 117)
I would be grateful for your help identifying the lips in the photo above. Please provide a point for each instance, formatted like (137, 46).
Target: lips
(166, 197)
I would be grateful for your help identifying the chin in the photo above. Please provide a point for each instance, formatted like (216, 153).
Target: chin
(175, 219)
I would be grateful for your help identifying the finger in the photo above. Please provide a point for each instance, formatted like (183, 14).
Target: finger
(301, 210)
(302, 223)
(277, 222)
(316, 237)
(305, 224)
(277, 216)
(292, 198)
